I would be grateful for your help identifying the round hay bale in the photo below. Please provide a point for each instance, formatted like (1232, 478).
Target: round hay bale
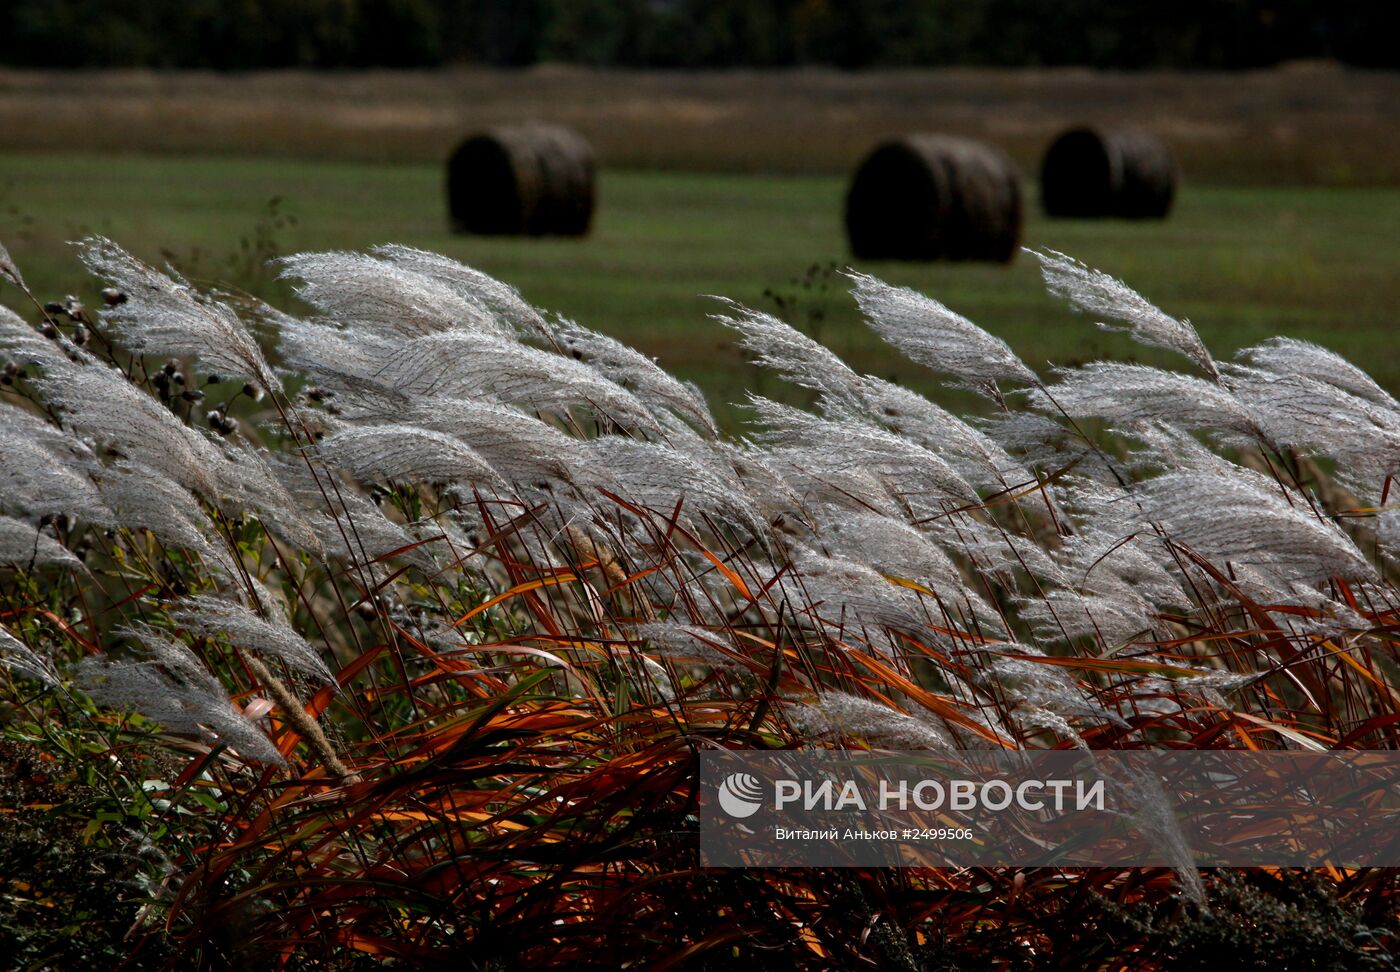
(1091, 172)
(934, 197)
(530, 179)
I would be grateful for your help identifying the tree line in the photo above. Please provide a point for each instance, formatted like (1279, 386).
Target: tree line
(247, 34)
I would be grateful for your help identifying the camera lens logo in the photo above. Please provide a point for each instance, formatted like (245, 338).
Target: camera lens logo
(740, 795)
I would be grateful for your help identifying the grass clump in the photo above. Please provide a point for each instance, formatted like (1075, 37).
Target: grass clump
(399, 640)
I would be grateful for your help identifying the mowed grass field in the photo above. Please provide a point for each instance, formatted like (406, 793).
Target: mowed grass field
(1242, 263)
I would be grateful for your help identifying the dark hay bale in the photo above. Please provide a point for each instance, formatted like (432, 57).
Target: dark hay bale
(1090, 172)
(934, 197)
(530, 179)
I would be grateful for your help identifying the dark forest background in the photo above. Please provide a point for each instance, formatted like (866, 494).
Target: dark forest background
(246, 34)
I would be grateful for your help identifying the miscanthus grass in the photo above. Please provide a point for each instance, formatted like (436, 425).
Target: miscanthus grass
(396, 626)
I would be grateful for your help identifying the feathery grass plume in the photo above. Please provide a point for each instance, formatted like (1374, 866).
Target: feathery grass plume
(685, 643)
(99, 402)
(9, 270)
(465, 365)
(350, 528)
(780, 347)
(840, 716)
(175, 690)
(141, 498)
(19, 657)
(519, 446)
(1126, 393)
(394, 452)
(662, 478)
(1289, 357)
(852, 600)
(20, 424)
(385, 298)
(43, 470)
(930, 334)
(902, 553)
(1095, 292)
(1242, 520)
(773, 495)
(912, 473)
(993, 552)
(800, 486)
(1039, 686)
(975, 455)
(248, 484)
(501, 299)
(1323, 419)
(637, 373)
(166, 316)
(23, 546)
(22, 345)
(1106, 620)
(210, 616)
(1107, 562)
(329, 354)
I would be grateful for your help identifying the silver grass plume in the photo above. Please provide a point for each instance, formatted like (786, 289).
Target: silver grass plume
(1041, 688)
(1244, 521)
(1290, 357)
(141, 498)
(19, 657)
(350, 527)
(1322, 418)
(519, 446)
(166, 316)
(474, 365)
(773, 495)
(976, 455)
(175, 690)
(1095, 292)
(662, 477)
(330, 354)
(379, 453)
(1127, 393)
(22, 345)
(637, 373)
(9, 270)
(780, 347)
(836, 716)
(686, 643)
(385, 297)
(209, 616)
(900, 552)
(912, 473)
(248, 484)
(99, 402)
(23, 546)
(500, 299)
(930, 334)
(847, 597)
(851, 487)
(44, 471)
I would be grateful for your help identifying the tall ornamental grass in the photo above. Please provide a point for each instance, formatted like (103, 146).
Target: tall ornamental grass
(390, 633)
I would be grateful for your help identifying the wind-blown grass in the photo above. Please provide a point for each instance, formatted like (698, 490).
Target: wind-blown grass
(408, 621)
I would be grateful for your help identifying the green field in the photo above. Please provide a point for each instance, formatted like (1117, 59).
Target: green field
(1243, 264)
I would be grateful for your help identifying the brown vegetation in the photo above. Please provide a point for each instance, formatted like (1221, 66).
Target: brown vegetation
(1305, 124)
